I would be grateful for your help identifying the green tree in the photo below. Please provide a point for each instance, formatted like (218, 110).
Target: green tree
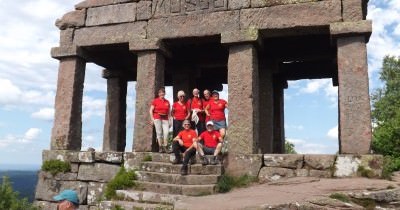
(289, 148)
(9, 198)
(386, 112)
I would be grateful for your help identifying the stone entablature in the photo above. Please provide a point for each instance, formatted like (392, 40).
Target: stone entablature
(108, 22)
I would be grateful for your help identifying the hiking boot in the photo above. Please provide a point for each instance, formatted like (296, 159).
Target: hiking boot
(213, 160)
(177, 161)
(204, 160)
(184, 170)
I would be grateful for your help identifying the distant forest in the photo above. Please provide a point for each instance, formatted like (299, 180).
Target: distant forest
(22, 181)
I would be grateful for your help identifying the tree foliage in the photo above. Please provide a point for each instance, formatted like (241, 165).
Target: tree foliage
(9, 198)
(289, 148)
(386, 110)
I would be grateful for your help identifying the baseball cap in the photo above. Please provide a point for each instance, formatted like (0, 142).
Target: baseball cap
(68, 195)
(209, 123)
(215, 92)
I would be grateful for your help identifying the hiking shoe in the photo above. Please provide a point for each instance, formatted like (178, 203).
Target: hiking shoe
(184, 170)
(177, 161)
(204, 160)
(213, 160)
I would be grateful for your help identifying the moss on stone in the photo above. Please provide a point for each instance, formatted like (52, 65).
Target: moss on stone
(123, 180)
(56, 166)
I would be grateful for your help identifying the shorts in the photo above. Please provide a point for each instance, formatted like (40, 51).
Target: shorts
(208, 150)
(219, 124)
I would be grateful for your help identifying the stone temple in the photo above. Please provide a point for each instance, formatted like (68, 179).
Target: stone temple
(254, 46)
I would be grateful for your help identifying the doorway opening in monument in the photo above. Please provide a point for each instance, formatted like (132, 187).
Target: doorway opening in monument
(93, 108)
(311, 116)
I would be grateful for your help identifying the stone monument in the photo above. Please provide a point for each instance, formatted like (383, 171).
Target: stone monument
(253, 46)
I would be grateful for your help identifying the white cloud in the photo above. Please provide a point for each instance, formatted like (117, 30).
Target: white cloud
(32, 134)
(304, 147)
(9, 93)
(314, 85)
(44, 114)
(93, 107)
(333, 133)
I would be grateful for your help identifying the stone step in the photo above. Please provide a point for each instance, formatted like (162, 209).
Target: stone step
(191, 190)
(169, 168)
(149, 197)
(111, 205)
(177, 178)
(168, 158)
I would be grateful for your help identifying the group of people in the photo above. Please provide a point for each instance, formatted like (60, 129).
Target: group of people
(205, 115)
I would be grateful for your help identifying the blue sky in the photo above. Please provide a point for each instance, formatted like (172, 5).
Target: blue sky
(28, 83)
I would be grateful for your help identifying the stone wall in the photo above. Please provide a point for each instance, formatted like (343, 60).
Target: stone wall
(90, 172)
(277, 166)
(111, 21)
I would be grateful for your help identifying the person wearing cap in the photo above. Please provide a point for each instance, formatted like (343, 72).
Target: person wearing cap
(179, 112)
(159, 113)
(216, 111)
(183, 143)
(211, 144)
(67, 200)
(206, 101)
(197, 111)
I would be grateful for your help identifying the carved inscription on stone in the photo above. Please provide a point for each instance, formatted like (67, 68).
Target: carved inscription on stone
(165, 8)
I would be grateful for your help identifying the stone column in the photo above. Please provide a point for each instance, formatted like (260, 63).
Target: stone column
(114, 133)
(243, 77)
(150, 77)
(355, 131)
(266, 106)
(354, 103)
(279, 117)
(67, 129)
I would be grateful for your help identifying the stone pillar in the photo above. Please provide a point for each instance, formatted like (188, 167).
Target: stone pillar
(67, 129)
(150, 77)
(279, 117)
(354, 103)
(266, 106)
(243, 99)
(114, 133)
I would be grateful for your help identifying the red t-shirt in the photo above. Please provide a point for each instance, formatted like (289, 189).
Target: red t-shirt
(180, 110)
(217, 109)
(161, 108)
(211, 139)
(187, 137)
(197, 103)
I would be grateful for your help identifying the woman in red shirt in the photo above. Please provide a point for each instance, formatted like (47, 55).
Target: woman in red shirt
(159, 113)
(180, 112)
(216, 111)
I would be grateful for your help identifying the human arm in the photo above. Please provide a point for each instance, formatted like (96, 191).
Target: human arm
(207, 110)
(151, 113)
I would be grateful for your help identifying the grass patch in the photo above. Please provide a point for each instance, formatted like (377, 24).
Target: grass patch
(147, 158)
(118, 207)
(341, 197)
(390, 164)
(368, 204)
(56, 166)
(226, 183)
(123, 180)
(365, 172)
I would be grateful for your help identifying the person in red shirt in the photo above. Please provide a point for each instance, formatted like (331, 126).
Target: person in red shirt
(180, 112)
(159, 113)
(196, 107)
(206, 101)
(216, 111)
(211, 144)
(183, 143)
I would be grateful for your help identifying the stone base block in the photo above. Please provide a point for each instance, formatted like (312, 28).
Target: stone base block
(99, 172)
(268, 174)
(109, 157)
(284, 160)
(177, 178)
(358, 165)
(241, 164)
(149, 197)
(319, 162)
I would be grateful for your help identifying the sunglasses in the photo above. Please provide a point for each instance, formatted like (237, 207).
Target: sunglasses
(181, 96)
(186, 124)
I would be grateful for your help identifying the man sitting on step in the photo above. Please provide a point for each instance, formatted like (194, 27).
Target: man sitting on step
(183, 143)
(211, 145)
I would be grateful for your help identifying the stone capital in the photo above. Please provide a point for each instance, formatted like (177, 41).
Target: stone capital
(68, 51)
(249, 35)
(111, 73)
(142, 45)
(355, 28)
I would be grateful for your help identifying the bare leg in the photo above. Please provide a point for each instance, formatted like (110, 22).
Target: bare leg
(218, 149)
(222, 132)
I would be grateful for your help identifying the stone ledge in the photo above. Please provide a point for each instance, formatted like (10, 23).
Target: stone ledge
(98, 3)
(241, 164)
(140, 45)
(343, 29)
(250, 35)
(68, 51)
(292, 161)
(72, 19)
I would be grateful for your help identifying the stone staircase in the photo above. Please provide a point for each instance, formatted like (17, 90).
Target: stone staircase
(160, 184)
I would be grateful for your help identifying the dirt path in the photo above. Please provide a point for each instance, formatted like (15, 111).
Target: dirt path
(281, 192)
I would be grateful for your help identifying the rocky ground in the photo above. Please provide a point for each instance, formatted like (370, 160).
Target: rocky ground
(305, 193)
